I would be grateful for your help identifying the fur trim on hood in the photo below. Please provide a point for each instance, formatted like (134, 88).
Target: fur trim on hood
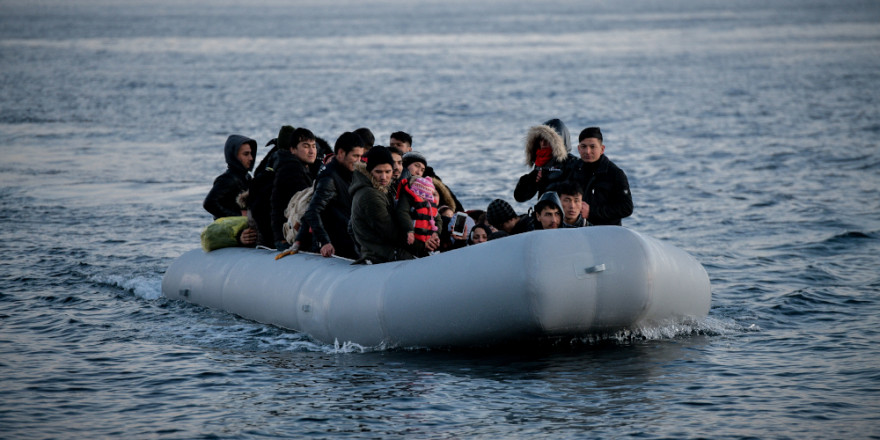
(361, 168)
(445, 195)
(547, 133)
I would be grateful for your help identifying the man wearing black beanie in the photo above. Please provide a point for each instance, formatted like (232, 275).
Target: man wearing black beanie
(371, 205)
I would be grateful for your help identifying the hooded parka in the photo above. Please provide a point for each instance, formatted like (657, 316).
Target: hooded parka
(222, 200)
(555, 170)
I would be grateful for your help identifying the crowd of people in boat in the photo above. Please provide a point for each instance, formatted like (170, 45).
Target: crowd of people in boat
(374, 204)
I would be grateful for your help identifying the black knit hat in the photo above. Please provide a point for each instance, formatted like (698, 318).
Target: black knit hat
(377, 156)
(285, 138)
(590, 132)
(499, 212)
(414, 156)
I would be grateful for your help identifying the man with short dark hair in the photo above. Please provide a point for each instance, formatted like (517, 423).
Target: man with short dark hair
(402, 141)
(330, 207)
(570, 196)
(548, 211)
(292, 174)
(367, 137)
(607, 198)
(397, 165)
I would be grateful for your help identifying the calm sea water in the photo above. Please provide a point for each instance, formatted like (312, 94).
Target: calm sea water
(749, 131)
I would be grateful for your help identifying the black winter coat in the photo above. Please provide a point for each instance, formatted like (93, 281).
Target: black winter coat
(606, 190)
(221, 201)
(329, 211)
(291, 176)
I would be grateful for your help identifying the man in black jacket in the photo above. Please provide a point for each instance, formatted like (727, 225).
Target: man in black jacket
(292, 174)
(222, 200)
(607, 198)
(329, 210)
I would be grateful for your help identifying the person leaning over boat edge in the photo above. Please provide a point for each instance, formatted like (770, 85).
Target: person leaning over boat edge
(326, 219)
(548, 152)
(292, 174)
(222, 199)
(607, 198)
(502, 217)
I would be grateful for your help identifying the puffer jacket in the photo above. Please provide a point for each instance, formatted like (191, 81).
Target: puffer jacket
(222, 200)
(556, 134)
(371, 220)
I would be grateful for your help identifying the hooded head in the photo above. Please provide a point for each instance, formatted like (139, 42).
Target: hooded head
(549, 198)
(231, 150)
(555, 134)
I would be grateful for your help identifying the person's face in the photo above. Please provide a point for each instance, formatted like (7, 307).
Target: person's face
(550, 218)
(405, 147)
(397, 166)
(348, 160)
(479, 236)
(571, 206)
(382, 174)
(447, 212)
(543, 144)
(245, 156)
(509, 225)
(590, 149)
(417, 169)
(306, 151)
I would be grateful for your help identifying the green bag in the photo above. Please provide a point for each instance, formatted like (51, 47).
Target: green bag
(224, 232)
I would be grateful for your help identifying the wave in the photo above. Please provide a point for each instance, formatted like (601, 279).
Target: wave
(149, 288)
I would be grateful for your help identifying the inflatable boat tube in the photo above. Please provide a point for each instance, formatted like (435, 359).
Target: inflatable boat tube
(542, 284)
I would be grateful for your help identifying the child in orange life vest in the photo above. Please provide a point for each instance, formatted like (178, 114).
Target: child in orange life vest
(416, 211)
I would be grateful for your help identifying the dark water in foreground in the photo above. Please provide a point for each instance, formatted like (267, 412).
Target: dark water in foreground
(749, 131)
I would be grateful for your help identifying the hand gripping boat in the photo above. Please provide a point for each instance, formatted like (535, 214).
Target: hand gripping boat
(542, 284)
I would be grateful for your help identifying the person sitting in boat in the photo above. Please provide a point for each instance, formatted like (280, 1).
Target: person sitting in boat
(327, 216)
(571, 197)
(292, 174)
(416, 213)
(397, 165)
(502, 217)
(401, 140)
(548, 152)
(223, 199)
(260, 189)
(367, 136)
(479, 234)
(605, 188)
(371, 211)
(548, 211)
(415, 164)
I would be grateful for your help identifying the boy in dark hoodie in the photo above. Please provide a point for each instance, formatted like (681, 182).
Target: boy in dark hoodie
(222, 200)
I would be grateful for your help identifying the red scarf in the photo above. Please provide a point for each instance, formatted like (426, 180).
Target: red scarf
(542, 156)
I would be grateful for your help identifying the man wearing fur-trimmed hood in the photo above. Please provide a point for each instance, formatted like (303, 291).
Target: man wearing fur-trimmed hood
(548, 151)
